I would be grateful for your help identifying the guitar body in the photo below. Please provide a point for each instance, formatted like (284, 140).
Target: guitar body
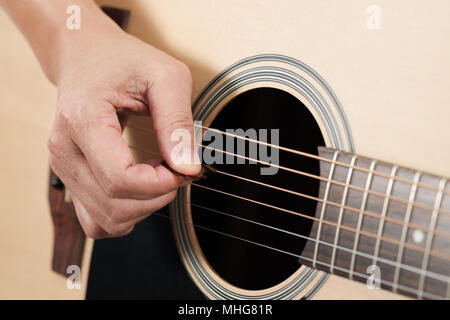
(378, 92)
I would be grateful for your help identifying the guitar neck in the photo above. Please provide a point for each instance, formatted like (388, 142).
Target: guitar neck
(382, 224)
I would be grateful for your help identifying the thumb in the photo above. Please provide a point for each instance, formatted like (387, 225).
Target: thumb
(170, 106)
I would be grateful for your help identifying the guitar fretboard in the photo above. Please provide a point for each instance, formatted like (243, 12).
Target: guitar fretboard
(382, 224)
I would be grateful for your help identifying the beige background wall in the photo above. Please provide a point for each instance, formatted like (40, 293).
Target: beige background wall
(27, 103)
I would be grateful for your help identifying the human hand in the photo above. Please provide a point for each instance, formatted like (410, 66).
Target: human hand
(99, 74)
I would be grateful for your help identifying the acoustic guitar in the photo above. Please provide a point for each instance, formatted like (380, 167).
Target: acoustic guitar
(359, 205)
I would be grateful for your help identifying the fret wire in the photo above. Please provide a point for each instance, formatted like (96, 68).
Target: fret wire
(383, 213)
(433, 275)
(322, 211)
(361, 275)
(412, 196)
(336, 204)
(361, 215)
(385, 282)
(430, 236)
(341, 211)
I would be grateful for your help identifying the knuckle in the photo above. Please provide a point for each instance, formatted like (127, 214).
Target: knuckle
(76, 172)
(117, 215)
(53, 163)
(122, 212)
(53, 144)
(177, 120)
(65, 116)
(56, 168)
(109, 225)
(183, 70)
(114, 188)
(93, 231)
(176, 70)
(120, 230)
(88, 223)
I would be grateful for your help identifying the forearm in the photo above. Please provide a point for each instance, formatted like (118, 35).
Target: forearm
(43, 23)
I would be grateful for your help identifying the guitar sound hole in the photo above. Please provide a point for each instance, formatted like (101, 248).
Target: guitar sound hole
(243, 264)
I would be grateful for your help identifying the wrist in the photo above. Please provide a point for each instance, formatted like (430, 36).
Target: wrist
(72, 45)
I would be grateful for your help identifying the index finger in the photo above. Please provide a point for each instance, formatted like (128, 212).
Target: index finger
(99, 138)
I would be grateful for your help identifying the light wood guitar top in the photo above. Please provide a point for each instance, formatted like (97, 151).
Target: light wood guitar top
(392, 83)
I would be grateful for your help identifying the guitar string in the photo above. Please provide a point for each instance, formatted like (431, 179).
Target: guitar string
(343, 184)
(313, 176)
(373, 214)
(310, 155)
(354, 210)
(361, 275)
(408, 245)
(369, 234)
(410, 268)
(338, 205)
(313, 156)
